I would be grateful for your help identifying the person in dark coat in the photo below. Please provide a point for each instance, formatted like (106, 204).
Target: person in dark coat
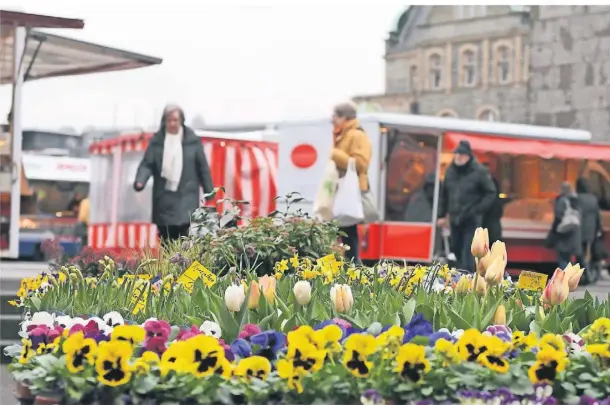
(569, 245)
(467, 194)
(492, 219)
(591, 221)
(176, 162)
(420, 206)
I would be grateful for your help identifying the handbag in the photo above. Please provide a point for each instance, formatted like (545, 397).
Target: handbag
(371, 214)
(347, 207)
(570, 220)
(325, 195)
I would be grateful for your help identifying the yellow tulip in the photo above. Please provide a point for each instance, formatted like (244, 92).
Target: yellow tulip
(573, 274)
(268, 285)
(481, 285)
(255, 293)
(557, 290)
(498, 250)
(495, 272)
(342, 298)
(500, 315)
(463, 285)
(480, 243)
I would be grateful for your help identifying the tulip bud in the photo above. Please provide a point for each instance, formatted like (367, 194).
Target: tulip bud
(557, 290)
(480, 284)
(255, 293)
(500, 315)
(573, 274)
(235, 295)
(302, 292)
(495, 272)
(463, 285)
(268, 286)
(341, 296)
(480, 243)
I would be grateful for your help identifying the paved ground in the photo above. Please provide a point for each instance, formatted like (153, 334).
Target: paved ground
(12, 271)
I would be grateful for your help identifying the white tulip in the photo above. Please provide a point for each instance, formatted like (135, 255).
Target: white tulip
(342, 298)
(302, 292)
(113, 319)
(210, 328)
(235, 295)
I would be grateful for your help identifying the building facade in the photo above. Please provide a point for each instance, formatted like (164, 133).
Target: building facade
(545, 65)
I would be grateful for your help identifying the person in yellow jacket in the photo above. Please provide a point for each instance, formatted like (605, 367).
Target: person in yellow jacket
(350, 141)
(83, 220)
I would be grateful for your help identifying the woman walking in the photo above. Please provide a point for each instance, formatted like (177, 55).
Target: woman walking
(175, 160)
(351, 142)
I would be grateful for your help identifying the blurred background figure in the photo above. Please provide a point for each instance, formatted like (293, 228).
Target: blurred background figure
(567, 243)
(350, 141)
(176, 161)
(492, 219)
(74, 204)
(467, 194)
(590, 228)
(82, 226)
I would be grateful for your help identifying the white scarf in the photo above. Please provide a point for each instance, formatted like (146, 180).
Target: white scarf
(172, 160)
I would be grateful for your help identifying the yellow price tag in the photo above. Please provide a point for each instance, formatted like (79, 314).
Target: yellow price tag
(140, 295)
(528, 280)
(194, 272)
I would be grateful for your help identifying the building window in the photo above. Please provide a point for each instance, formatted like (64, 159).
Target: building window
(468, 68)
(413, 78)
(447, 113)
(435, 70)
(504, 64)
(488, 114)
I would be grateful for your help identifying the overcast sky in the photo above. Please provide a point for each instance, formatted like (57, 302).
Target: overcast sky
(222, 59)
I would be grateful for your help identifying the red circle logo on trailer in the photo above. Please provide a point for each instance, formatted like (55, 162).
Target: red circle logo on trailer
(304, 156)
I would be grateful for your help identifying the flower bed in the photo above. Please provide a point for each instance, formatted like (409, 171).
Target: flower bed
(164, 328)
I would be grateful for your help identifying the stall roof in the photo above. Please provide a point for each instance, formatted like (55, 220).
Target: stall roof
(545, 149)
(16, 18)
(49, 55)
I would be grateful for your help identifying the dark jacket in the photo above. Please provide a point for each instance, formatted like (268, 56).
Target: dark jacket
(570, 243)
(175, 208)
(420, 207)
(467, 193)
(591, 217)
(492, 219)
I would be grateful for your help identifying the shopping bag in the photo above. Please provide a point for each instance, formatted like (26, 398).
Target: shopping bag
(325, 196)
(371, 214)
(347, 208)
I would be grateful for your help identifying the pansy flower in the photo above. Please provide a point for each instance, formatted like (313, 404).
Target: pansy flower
(471, 345)
(390, 341)
(411, 362)
(27, 352)
(522, 342)
(418, 326)
(79, 350)
(176, 357)
(253, 367)
(145, 361)
(493, 357)
(304, 354)
(112, 363)
(600, 351)
(358, 348)
(269, 342)
(241, 348)
(48, 348)
(293, 375)
(210, 328)
(133, 334)
(248, 331)
(549, 363)
(328, 338)
(188, 333)
(446, 350)
(113, 319)
(554, 341)
(205, 355)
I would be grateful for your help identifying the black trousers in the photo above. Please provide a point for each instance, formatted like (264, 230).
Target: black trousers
(461, 241)
(170, 233)
(353, 242)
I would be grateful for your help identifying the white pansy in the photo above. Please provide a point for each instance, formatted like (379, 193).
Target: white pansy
(65, 321)
(210, 328)
(113, 319)
(39, 318)
(105, 329)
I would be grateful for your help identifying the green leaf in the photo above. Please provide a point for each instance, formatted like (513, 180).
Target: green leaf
(458, 321)
(35, 302)
(408, 309)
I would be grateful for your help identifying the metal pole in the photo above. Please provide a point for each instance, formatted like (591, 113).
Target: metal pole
(16, 128)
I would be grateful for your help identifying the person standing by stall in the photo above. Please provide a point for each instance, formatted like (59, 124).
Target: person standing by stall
(351, 142)
(467, 194)
(590, 228)
(565, 236)
(176, 161)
